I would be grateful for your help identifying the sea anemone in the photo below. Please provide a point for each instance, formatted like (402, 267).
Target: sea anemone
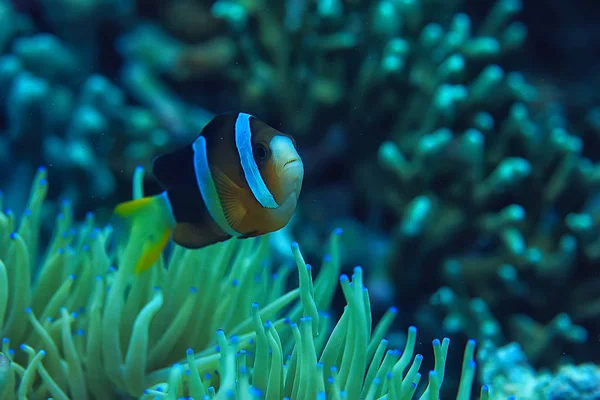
(200, 323)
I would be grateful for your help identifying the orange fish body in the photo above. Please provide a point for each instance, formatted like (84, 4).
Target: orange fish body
(239, 178)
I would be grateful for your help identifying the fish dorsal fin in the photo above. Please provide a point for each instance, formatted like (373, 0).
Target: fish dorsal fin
(222, 124)
(175, 168)
(231, 197)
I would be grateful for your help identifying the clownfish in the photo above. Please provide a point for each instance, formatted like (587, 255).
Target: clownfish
(239, 178)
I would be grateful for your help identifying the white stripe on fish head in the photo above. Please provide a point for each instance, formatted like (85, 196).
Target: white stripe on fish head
(243, 142)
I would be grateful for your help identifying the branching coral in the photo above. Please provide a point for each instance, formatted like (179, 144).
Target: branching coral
(507, 369)
(80, 121)
(88, 330)
(63, 109)
(491, 195)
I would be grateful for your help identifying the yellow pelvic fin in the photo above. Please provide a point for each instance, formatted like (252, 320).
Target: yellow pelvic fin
(151, 224)
(151, 251)
(232, 199)
(129, 208)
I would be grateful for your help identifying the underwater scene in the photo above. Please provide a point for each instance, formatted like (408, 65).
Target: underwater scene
(299, 199)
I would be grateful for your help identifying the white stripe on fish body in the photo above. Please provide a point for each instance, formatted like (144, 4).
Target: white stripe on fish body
(207, 187)
(243, 142)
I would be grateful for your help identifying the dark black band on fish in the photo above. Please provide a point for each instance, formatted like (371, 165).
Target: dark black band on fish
(175, 172)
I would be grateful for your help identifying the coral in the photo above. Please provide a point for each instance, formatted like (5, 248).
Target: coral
(507, 369)
(86, 329)
(492, 189)
(19, 24)
(573, 382)
(346, 76)
(64, 110)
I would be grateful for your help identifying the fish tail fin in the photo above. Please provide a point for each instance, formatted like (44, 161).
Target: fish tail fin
(149, 221)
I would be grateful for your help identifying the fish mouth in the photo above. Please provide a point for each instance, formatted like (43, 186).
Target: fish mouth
(293, 160)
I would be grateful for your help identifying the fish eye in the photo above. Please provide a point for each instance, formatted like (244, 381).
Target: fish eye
(260, 152)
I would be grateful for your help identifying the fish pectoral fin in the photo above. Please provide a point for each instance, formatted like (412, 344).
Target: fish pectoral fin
(231, 196)
(196, 236)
